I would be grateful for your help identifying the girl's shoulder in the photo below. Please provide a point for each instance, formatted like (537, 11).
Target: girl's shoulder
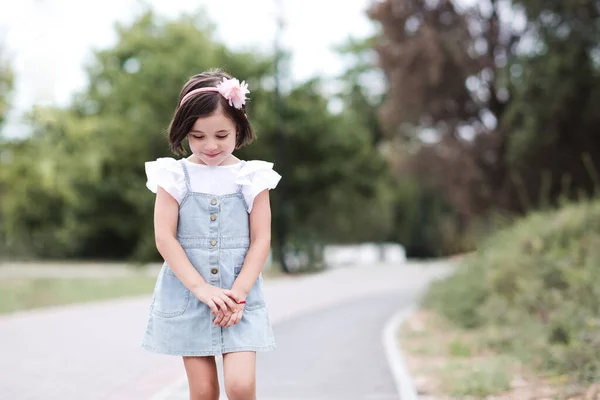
(251, 167)
(168, 173)
(256, 176)
(168, 163)
(165, 167)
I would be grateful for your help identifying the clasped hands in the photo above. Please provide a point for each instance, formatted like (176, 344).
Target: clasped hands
(226, 304)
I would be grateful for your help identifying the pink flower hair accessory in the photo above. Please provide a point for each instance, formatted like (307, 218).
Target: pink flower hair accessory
(234, 91)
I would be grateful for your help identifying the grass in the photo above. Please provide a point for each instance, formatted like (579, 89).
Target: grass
(478, 377)
(446, 362)
(25, 293)
(532, 290)
(21, 294)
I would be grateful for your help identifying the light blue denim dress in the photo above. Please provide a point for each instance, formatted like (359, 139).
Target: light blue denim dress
(214, 232)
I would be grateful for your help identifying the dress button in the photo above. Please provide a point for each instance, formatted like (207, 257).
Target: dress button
(213, 242)
(213, 202)
(213, 217)
(214, 271)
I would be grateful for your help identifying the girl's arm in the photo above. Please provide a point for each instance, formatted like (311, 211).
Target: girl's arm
(166, 215)
(260, 244)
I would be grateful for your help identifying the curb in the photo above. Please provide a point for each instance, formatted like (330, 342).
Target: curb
(404, 383)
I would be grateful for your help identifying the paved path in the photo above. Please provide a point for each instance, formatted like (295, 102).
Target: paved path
(333, 354)
(92, 351)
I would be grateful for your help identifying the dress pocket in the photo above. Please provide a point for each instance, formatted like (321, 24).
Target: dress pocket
(171, 297)
(256, 298)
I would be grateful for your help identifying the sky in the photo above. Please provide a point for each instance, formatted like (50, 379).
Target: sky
(48, 42)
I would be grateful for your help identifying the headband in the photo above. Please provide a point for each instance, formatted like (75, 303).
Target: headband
(231, 89)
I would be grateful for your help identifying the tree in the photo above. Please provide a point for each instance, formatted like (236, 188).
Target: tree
(418, 211)
(89, 186)
(133, 91)
(92, 179)
(483, 97)
(338, 180)
(6, 86)
(556, 87)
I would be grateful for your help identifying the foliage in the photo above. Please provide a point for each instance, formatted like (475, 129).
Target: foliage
(80, 181)
(419, 211)
(534, 288)
(6, 86)
(496, 100)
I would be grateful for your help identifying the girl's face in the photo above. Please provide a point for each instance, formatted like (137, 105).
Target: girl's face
(212, 140)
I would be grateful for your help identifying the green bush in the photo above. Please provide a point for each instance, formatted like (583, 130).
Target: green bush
(459, 296)
(534, 289)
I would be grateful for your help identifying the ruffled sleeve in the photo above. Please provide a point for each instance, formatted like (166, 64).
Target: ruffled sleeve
(168, 174)
(256, 176)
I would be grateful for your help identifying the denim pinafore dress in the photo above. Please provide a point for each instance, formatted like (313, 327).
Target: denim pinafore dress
(214, 232)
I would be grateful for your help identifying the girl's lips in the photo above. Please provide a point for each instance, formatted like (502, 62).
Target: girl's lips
(211, 155)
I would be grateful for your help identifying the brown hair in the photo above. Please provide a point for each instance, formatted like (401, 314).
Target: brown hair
(204, 104)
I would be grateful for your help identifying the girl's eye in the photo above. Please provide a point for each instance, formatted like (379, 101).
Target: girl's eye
(198, 137)
(222, 137)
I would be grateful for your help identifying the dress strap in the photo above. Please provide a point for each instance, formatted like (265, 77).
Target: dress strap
(240, 187)
(187, 177)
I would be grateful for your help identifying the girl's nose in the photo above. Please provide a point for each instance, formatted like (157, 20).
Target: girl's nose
(211, 146)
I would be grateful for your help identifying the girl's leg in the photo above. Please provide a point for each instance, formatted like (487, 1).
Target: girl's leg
(202, 377)
(239, 370)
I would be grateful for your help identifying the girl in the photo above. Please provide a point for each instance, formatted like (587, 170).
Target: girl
(212, 223)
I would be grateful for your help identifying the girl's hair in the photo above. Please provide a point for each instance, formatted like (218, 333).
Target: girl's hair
(204, 104)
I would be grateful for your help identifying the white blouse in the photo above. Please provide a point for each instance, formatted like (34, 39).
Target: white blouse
(254, 177)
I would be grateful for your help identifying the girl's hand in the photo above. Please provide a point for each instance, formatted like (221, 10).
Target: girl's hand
(219, 300)
(236, 316)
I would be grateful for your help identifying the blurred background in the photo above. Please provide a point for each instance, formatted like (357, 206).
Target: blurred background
(412, 122)
(436, 127)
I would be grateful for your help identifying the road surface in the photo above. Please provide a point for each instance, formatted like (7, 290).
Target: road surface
(327, 326)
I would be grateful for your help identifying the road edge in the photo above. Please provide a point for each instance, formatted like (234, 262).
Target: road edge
(404, 383)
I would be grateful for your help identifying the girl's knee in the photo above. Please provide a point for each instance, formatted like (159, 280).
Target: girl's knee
(240, 389)
(204, 390)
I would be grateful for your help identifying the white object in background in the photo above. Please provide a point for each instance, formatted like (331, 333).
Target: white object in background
(364, 254)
